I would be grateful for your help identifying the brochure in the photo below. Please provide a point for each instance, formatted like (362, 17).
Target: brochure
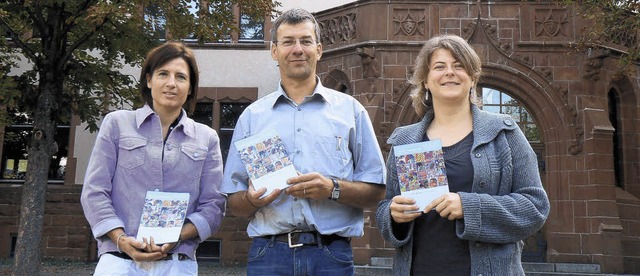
(421, 171)
(266, 161)
(162, 217)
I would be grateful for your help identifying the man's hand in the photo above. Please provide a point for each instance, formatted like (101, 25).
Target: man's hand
(310, 185)
(253, 196)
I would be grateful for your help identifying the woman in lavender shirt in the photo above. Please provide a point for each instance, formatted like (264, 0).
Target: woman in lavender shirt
(154, 148)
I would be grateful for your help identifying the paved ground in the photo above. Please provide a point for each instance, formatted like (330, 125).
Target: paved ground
(75, 268)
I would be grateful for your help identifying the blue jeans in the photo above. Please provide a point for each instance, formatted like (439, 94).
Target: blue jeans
(271, 257)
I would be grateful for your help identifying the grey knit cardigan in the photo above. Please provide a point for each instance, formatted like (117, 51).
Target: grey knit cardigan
(507, 202)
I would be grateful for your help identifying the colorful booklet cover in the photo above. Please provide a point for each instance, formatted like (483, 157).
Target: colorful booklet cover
(421, 171)
(266, 161)
(162, 217)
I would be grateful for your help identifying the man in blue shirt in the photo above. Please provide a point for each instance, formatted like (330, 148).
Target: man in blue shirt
(306, 229)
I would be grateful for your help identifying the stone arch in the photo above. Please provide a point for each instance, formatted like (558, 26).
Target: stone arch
(338, 80)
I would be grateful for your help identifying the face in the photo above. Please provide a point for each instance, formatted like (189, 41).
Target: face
(296, 50)
(170, 85)
(447, 80)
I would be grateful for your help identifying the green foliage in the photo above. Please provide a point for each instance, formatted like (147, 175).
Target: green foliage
(615, 25)
(81, 46)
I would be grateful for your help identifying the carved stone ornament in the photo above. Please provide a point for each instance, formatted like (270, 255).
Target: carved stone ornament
(409, 22)
(338, 29)
(369, 64)
(551, 22)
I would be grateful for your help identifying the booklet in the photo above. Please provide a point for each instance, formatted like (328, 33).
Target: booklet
(266, 161)
(421, 171)
(162, 217)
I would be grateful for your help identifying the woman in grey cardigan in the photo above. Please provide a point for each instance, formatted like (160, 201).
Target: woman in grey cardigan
(496, 198)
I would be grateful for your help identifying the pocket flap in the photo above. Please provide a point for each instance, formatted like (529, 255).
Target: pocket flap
(130, 143)
(194, 152)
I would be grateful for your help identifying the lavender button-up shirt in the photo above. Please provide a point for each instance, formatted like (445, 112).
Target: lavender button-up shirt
(130, 158)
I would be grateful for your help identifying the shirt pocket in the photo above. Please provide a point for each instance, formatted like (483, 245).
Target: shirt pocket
(131, 152)
(191, 160)
(332, 156)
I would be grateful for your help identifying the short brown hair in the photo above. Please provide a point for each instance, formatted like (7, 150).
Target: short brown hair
(162, 54)
(461, 52)
(294, 16)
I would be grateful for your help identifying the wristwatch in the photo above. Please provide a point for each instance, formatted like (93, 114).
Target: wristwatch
(335, 193)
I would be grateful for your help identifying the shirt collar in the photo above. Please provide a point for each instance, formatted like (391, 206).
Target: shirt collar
(143, 114)
(319, 93)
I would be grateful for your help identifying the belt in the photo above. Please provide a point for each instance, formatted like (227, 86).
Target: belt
(299, 238)
(122, 255)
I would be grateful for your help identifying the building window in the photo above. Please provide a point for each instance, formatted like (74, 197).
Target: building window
(229, 113)
(14, 241)
(209, 250)
(220, 108)
(614, 118)
(14, 150)
(499, 102)
(156, 21)
(251, 29)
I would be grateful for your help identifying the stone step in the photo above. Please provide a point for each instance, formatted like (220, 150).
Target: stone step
(383, 266)
(366, 270)
(380, 261)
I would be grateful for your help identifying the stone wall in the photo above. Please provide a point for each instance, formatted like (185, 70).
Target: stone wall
(66, 234)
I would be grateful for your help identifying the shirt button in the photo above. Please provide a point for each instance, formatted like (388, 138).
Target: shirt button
(508, 122)
(295, 199)
(195, 154)
(478, 155)
(299, 109)
(299, 129)
(298, 151)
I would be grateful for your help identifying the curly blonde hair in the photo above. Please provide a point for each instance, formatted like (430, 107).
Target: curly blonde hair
(461, 51)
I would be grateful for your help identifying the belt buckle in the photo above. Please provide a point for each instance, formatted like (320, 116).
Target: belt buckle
(291, 245)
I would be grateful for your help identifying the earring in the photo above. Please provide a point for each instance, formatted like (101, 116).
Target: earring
(426, 97)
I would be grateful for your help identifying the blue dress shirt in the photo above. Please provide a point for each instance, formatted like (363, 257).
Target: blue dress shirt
(329, 133)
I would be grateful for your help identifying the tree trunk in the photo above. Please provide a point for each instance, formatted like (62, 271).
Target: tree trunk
(41, 148)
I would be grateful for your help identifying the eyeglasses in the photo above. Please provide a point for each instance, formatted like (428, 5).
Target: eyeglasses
(305, 42)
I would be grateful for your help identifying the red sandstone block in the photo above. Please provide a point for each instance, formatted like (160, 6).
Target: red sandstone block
(394, 71)
(631, 228)
(504, 11)
(454, 11)
(602, 208)
(555, 257)
(56, 241)
(361, 256)
(564, 243)
(581, 225)
(78, 241)
(631, 247)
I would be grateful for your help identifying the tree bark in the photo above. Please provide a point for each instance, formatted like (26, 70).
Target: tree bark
(42, 147)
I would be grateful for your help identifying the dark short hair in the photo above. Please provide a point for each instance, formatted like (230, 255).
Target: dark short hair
(158, 57)
(461, 52)
(294, 16)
